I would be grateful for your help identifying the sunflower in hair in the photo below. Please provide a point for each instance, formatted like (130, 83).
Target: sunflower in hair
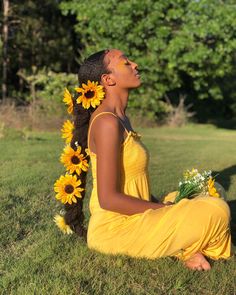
(73, 160)
(90, 94)
(67, 99)
(60, 222)
(67, 130)
(67, 189)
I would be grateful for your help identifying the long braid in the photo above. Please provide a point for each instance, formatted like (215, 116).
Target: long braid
(91, 69)
(74, 213)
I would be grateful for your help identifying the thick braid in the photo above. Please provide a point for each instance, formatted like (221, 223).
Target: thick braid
(67, 186)
(74, 216)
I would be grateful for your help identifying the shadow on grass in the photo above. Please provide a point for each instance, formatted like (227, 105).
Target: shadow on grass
(224, 178)
(232, 206)
(225, 175)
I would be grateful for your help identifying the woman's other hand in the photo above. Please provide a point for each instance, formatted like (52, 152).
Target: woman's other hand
(168, 203)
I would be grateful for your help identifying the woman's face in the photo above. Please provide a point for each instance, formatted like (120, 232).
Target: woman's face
(124, 73)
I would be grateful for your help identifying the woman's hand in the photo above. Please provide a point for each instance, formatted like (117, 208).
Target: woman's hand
(155, 200)
(168, 203)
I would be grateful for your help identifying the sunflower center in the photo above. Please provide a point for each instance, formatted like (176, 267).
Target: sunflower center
(69, 189)
(75, 160)
(89, 94)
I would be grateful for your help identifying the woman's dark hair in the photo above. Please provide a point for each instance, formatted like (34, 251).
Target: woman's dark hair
(91, 69)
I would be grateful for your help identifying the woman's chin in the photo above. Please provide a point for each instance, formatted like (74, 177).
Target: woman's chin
(136, 85)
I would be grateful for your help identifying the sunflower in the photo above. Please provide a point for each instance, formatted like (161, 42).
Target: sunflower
(91, 94)
(67, 189)
(67, 130)
(67, 99)
(73, 160)
(211, 188)
(60, 222)
(87, 152)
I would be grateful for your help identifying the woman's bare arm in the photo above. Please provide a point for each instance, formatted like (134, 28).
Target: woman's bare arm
(108, 139)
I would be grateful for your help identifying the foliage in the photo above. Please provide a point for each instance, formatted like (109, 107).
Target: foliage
(181, 46)
(53, 85)
(39, 37)
(47, 87)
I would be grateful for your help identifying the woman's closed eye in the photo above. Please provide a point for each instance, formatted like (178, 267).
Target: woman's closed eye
(127, 63)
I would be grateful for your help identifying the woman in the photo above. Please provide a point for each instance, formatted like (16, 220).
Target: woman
(123, 218)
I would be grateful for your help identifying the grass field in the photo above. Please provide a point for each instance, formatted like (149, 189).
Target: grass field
(36, 258)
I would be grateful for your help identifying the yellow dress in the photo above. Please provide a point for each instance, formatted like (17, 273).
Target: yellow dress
(180, 230)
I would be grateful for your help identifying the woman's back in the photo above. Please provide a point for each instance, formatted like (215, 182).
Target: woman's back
(134, 167)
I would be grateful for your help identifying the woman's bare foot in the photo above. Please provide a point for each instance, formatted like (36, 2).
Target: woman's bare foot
(198, 262)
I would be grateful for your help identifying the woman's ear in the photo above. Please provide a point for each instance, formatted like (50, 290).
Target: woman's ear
(107, 80)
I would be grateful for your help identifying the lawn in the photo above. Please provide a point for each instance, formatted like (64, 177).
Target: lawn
(36, 258)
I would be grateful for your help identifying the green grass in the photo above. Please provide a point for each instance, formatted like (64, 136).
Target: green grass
(36, 258)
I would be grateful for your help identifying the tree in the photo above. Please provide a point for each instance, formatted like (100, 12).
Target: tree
(5, 48)
(39, 36)
(182, 47)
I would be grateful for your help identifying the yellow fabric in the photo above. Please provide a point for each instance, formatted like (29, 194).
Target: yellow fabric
(180, 230)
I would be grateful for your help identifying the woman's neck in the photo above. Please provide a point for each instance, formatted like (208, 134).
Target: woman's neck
(116, 103)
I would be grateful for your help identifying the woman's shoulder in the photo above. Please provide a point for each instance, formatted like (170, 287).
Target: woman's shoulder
(103, 116)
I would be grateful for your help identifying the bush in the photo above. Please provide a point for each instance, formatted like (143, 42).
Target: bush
(46, 90)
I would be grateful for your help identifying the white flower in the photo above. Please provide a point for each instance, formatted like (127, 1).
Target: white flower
(62, 212)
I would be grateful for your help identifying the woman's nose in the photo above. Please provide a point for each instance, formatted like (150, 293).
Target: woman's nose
(135, 65)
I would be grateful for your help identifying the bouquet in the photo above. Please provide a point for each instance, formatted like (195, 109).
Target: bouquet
(195, 183)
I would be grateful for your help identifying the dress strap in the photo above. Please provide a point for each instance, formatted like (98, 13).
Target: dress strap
(96, 117)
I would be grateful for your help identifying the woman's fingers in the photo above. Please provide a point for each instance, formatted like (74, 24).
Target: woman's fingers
(169, 203)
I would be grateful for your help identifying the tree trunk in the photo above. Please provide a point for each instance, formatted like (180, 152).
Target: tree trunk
(21, 81)
(5, 41)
